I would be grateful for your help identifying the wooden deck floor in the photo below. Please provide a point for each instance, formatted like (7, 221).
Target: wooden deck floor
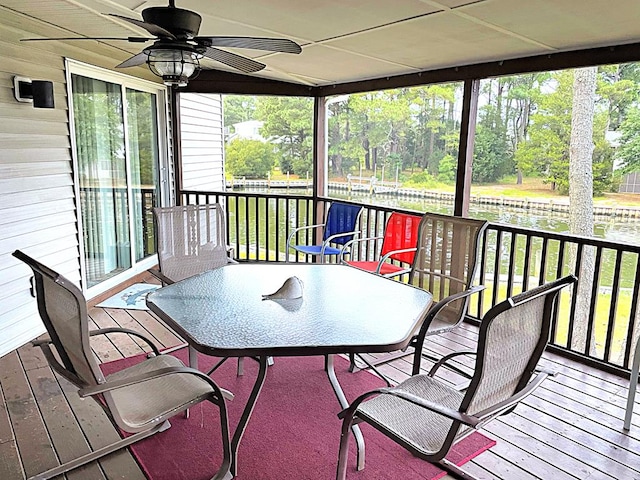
(571, 428)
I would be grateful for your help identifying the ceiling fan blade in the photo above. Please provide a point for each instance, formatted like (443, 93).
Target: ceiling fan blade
(149, 27)
(128, 39)
(257, 43)
(138, 59)
(238, 62)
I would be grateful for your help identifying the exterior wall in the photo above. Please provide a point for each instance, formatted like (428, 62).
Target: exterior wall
(201, 131)
(37, 204)
(630, 183)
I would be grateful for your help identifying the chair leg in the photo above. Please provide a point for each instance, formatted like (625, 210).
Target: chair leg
(343, 453)
(101, 452)
(455, 471)
(240, 366)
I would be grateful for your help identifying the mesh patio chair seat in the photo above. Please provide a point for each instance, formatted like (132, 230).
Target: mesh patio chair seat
(397, 250)
(445, 265)
(339, 228)
(191, 239)
(427, 416)
(139, 399)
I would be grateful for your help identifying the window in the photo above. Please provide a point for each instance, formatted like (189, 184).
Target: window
(117, 160)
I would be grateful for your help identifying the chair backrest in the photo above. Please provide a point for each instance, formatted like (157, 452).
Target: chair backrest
(191, 239)
(63, 311)
(401, 232)
(445, 262)
(512, 338)
(341, 218)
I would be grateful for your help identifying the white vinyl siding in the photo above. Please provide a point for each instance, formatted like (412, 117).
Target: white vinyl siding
(37, 203)
(202, 142)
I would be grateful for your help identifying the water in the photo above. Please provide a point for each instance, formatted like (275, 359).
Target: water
(615, 229)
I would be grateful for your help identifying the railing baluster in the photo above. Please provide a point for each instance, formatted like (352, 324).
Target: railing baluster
(594, 300)
(512, 265)
(629, 344)
(612, 307)
(496, 269)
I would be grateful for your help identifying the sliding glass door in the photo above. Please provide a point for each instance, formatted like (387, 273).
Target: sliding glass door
(118, 163)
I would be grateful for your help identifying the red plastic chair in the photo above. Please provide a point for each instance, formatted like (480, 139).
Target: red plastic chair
(398, 247)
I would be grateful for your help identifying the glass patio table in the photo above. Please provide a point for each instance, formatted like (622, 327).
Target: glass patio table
(342, 310)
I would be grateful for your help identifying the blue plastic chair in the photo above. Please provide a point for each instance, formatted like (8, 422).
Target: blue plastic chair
(339, 229)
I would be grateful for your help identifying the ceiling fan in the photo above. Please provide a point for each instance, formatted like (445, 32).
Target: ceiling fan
(177, 49)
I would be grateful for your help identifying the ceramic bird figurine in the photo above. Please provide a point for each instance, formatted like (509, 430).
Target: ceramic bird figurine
(290, 289)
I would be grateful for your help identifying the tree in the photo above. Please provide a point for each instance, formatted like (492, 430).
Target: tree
(288, 124)
(629, 150)
(238, 108)
(581, 191)
(249, 158)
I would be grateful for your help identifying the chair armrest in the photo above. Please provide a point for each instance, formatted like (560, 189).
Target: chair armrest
(160, 276)
(418, 340)
(440, 275)
(437, 308)
(443, 362)
(143, 377)
(104, 331)
(493, 411)
(393, 252)
(296, 230)
(429, 405)
(351, 242)
(337, 235)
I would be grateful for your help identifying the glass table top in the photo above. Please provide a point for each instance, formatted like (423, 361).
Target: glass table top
(342, 309)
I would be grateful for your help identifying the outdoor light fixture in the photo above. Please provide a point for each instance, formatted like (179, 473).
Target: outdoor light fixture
(174, 65)
(38, 92)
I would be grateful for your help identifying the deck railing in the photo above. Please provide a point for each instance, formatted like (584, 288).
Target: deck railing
(596, 321)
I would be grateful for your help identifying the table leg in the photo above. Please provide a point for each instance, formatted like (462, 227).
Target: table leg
(246, 413)
(333, 379)
(193, 358)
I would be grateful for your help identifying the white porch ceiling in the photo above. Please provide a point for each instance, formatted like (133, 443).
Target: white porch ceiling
(349, 40)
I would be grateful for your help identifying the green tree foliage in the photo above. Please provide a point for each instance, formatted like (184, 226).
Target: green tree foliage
(249, 158)
(629, 151)
(492, 158)
(288, 124)
(546, 149)
(238, 108)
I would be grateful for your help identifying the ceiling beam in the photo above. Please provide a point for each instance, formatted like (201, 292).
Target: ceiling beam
(217, 81)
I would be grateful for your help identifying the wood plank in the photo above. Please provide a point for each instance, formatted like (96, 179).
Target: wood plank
(10, 463)
(67, 438)
(30, 433)
(125, 344)
(100, 432)
(162, 333)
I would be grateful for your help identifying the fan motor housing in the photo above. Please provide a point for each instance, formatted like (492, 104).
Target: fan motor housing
(176, 20)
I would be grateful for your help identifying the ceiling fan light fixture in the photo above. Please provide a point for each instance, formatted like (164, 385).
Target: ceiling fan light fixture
(175, 66)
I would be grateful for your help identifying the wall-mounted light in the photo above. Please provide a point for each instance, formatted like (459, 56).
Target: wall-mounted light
(38, 92)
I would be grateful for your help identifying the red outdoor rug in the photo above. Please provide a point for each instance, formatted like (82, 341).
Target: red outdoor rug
(293, 433)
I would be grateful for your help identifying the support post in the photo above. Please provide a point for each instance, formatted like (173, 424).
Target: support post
(319, 159)
(465, 150)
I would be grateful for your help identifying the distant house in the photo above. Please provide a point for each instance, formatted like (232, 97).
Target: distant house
(249, 130)
(630, 182)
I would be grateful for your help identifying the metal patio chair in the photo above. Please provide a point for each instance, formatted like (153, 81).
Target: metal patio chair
(191, 239)
(445, 265)
(427, 416)
(139, 399)
(397, 250)
(339, 228)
